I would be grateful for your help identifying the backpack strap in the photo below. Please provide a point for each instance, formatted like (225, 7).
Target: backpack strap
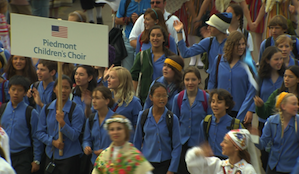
(143, 120)
(211, 40)
(46, 109)
(180, 99)
(217, 69)
(3, 92)
(73, 106)
(2, 109)
(268, 42)
(53, 96)
(91, 121)
(246, 33)
(295, 50)
(205, 103)
(206, 125)
(168, 17)
(169, 123)
(126, 7)
(28, 120)
(235, 124)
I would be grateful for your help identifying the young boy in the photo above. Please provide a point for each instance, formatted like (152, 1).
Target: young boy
(214, 127)
(42, 91)
(20, 123)
(279, 25)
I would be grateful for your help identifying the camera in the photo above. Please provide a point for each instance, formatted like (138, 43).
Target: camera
(50, 167)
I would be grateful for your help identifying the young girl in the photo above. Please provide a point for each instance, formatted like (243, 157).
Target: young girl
(285, 44)
(153, 138)
(4, 32)
(95, 137)
(150, 62)
(71, 125)
(153, 17)
(281, 131)
(239, 148)
(191, 107)
(237, 25)
(231, 73)
(290, 84)
(77, 16)
(120, 82)
(172, 79)
(219, 123)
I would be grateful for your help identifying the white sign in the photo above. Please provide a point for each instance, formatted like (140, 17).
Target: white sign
(58, 40)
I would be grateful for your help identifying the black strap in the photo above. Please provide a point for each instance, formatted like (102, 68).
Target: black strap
(91, 121)
(2, 109)
(246, 33)
(211, 40)
(295, 50)
(28, 120)
(126, 7)
(217, 70)
(268, 42)
(168, 17)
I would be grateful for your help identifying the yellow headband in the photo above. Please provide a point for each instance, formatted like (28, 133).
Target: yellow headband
(280, 98)
(174, 64)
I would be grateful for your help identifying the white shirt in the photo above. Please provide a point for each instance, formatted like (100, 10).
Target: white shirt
(213, 165)
(249, 39)
(139, 27)
(5, 168)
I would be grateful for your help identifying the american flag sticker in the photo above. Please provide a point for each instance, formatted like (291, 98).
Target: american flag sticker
(59, 31)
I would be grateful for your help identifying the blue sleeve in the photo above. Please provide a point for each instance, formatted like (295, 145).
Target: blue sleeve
(148, 103)
(73, 130)
(202, 136)
(296, 169)
(212, 75)
(41, 133)
(247, 103)
(195, 49)
(177, 146)
(138, 133)
(262, 49)
(87, 140)
(175, 109)
(172, 45)
(121, 9)
(38, 147)
(137, 49)
(266, 136)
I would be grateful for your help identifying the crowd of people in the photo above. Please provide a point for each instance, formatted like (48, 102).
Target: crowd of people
(150, 114)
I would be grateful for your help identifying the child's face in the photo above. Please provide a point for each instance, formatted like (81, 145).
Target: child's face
(16, 92)
(191, 82)
(113, 81)
(168, 73)
(214, 31)
(99, 101)
(235, 18)
(285, 48)
(290, 79)
(43, 73)
(240, 47)
(159, 97)
(218, 106)
(81, 77)
(291, 105)
(276, 31)
(66, 90)
(18, 62)
(276, 61)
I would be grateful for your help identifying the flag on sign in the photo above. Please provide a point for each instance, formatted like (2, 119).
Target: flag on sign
(59, 31)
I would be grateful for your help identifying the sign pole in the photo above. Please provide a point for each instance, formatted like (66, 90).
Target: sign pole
(59, 100)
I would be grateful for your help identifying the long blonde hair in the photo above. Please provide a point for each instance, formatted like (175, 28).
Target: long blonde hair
(125, 90)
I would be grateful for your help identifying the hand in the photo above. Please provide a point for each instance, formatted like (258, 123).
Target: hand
(107, 72)
(134, 17)
(258, 101)
(178, 25)
(169, 172)
(206, 150)
(60, 118)
(87, 97)
(58, 144)
(29, 93)
(292, 9)
(34, 167)
(87, 150)
(37, 97)
(248, 117)
(98, 152)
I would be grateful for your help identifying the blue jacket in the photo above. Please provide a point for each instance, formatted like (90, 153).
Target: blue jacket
(47, 130)
(285, 150)
(156, 143)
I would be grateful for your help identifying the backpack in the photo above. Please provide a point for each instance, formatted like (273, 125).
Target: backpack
(27, 115)
(169, 122)
(294, 39)
(204, 103)
(235, 124)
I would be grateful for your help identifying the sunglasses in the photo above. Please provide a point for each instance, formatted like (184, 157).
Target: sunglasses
(157, 2)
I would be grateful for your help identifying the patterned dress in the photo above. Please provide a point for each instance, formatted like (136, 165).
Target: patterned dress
(4, 33)
(254, 8)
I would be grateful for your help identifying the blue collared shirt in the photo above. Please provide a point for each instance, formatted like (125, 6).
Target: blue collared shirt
(14, 123)
(285, 150)
(98, 138)
(45, 94)
(296, 169)
(47, 130)
(217, 132)
(191, 117)
(201, 47)
(236, 81)
(156, 144)
(145, 46)
(157, 66)
(148, 103)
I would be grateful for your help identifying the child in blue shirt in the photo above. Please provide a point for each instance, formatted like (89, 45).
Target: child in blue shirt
(71, 126)
(159, 146)
(285, 44)
(220, 122)
(96, 138)
(26, 150)
(42, 91)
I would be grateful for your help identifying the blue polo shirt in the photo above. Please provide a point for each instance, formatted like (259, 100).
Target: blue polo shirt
(134, 7)
(156, 143)
(98, 137)
(47, 130)
(14, 123)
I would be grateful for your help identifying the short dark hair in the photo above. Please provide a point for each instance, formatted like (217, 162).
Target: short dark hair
(192, 69)
(280, 21)
(51, 65)
(223, 95)
(107, 94)
(155, 86)
(19, 80)
(64, 77)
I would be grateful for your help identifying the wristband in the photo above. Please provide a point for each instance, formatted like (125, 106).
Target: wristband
(36, 162)
(181, 31)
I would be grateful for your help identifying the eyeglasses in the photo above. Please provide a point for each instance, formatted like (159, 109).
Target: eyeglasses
(161, 96)
(157, 2)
